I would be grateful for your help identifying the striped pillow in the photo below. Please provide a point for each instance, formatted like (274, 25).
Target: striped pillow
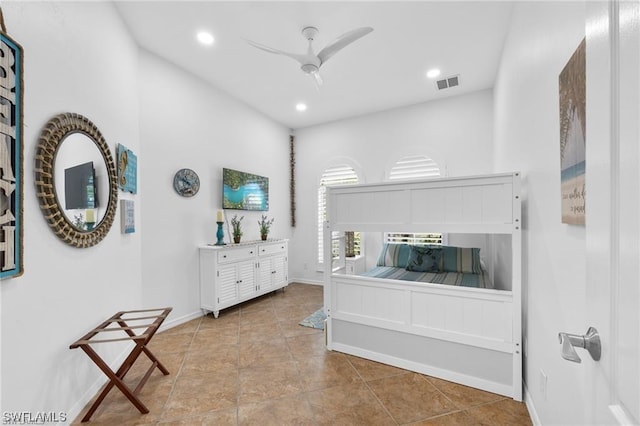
(396, 255)
(461, 259)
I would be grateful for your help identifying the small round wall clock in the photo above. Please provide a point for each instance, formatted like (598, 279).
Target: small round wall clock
(186, 182)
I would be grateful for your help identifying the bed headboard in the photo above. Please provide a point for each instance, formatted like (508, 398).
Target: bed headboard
(474, 204)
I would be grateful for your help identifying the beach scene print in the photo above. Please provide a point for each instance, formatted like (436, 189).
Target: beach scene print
(572, 137)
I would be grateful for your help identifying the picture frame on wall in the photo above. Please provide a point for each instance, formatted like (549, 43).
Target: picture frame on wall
(127, 169)
(127, 217)
(11, 157)
(572, 85)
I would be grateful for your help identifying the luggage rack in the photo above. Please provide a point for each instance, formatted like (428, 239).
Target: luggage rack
(121, 321)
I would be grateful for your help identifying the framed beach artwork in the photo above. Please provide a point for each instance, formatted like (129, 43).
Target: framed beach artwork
(572, 85)
(127, 169)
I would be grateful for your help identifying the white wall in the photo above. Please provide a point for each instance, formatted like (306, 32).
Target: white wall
(70, 65)
(186, 123)
(542, 38)
(456, 132)
(78, 57)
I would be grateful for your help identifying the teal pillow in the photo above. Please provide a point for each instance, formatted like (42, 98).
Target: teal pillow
(424, 259)
(461, 259)
(396, 255)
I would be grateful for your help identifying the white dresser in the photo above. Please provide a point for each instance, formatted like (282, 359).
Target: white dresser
(234, 273)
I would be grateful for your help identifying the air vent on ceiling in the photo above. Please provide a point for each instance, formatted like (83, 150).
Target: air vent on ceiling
(451, 81)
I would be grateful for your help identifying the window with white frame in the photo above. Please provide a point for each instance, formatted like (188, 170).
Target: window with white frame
(413, 238)
(341, 174)
(414, 167)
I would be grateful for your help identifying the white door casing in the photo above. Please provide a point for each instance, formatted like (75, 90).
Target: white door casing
(612, 213)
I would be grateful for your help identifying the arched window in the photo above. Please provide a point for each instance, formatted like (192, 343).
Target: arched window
(414, 167)
(341, 174)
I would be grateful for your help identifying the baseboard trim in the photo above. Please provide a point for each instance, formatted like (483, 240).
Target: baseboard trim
(305, 281)
(531, 407)
(78, 407)
(180, 320)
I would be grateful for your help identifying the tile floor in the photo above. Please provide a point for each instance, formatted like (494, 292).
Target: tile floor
(255, 365)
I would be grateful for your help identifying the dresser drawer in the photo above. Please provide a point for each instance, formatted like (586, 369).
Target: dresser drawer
(234, 255)
(269, 249)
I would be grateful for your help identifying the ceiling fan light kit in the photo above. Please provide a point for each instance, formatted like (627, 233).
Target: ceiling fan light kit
(310, 62)
(309, 68)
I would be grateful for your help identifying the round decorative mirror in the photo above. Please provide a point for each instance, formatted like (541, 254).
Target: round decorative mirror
(76, 180)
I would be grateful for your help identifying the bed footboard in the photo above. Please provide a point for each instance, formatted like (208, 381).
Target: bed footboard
(458, 334)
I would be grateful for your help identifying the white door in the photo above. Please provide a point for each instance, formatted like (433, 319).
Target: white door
(246, 279)
(227, 286)
(266, 276)
(612, 213)
(279, 265)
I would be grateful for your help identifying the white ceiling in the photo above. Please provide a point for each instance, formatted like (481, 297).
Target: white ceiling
(383, 70)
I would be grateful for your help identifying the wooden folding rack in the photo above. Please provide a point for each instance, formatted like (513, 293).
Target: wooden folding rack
(141, 341)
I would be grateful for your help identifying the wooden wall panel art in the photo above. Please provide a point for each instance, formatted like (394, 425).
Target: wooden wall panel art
(11, 157)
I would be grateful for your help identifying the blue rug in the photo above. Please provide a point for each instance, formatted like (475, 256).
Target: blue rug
(315, 320)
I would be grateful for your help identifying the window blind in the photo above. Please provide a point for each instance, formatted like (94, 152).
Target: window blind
(414, 167)
(341, 174)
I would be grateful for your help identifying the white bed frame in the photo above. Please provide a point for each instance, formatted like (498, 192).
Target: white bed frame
(466, 335)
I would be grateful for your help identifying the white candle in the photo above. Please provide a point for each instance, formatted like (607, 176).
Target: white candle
(90, 216)
(220, 218)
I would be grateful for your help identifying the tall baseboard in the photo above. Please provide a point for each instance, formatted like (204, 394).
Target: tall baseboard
(305, 281)
(181, 320)
(78, 407)
(532, 409)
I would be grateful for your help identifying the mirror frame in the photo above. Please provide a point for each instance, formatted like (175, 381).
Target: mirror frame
(51, 137)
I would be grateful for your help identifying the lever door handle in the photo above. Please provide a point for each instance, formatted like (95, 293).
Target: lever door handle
(589, 341)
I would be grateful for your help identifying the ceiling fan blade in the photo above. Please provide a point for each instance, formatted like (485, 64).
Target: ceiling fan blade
(341, 42)
(317, 79)
(300, 58)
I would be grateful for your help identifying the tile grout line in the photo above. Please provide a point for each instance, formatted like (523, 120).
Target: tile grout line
(179, 372)
(443, 394)
(241, 312)
(384, 407)
(305, 393)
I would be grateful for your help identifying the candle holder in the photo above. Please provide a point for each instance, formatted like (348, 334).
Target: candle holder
(220, 235)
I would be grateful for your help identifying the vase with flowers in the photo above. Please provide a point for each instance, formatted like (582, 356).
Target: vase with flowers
(265, 225)
(236, 228)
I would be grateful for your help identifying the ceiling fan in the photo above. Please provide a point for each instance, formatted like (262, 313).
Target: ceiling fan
(310, 62)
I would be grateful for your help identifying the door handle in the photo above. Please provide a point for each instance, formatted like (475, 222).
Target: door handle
(589, 341)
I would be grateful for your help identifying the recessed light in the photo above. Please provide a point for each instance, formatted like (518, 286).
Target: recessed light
(433, 73)
(301, 107)
(205, 38)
